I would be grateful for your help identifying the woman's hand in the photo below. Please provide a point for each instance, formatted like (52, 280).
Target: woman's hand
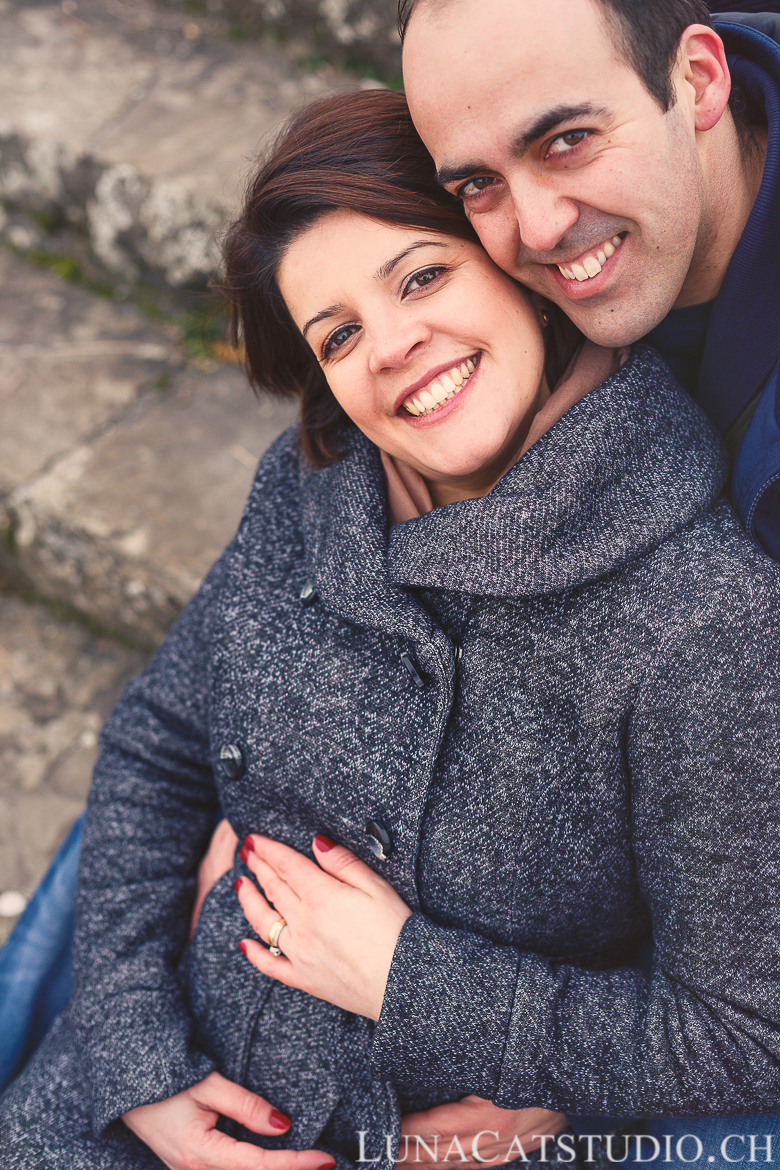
(342, 924)
(485, 1132)
(181, 1130)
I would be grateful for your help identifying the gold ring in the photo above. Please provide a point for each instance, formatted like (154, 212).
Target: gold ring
(273, 934)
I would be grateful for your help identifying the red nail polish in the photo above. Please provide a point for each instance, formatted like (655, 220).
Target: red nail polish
(237, 884)
(242, 946)
(324, 844)
(243, 853)
(249, 844)
(278, 1120)
(331, 1162)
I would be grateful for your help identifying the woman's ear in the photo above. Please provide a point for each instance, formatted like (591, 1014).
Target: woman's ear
(703, 69)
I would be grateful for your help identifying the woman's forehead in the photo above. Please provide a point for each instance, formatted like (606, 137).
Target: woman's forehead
(345, 250)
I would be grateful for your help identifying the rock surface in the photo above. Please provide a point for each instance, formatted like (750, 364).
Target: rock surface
(124, 528)
(116, 498)
(356, 30)
(70, 365)
(132, 122)
(57, 685)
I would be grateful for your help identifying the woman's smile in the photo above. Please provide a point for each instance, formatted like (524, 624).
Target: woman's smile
(433, 392)
(433, 352)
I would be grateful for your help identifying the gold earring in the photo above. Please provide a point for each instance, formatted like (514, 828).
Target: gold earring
(545, 319)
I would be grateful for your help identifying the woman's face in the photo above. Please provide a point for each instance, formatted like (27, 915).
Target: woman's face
(429, 347)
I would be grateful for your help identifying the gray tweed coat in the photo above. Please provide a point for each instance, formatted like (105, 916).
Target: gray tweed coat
(586, 751)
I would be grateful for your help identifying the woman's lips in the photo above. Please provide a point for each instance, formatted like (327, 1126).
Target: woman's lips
(441, 389)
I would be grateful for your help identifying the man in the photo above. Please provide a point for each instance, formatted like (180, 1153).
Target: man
(597, 154)
(607, 161)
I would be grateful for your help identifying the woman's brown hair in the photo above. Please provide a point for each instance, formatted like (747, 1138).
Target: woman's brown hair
(359, 152)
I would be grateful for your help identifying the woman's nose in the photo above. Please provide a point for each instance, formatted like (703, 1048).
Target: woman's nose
(396, 341)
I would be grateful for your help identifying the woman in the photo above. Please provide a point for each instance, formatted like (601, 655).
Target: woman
(536, 705)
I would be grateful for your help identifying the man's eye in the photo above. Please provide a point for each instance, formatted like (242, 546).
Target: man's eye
(565, 143)
(475, 187)
(339, 338)
(423, 278)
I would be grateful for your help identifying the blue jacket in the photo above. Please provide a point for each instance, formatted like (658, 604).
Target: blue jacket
(742, 355)
(600, 762)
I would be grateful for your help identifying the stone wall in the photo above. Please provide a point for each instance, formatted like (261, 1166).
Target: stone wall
(360, 33)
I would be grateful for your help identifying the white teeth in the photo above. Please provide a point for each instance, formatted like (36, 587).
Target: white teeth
(592, 265)
(445, 387)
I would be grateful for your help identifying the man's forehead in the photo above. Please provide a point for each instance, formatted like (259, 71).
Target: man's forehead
(476, 87)
(505, 47)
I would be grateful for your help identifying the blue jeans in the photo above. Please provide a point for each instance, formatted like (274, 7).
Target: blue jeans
(36, 960)
(35, 984)
(702, 1143)
(713, 1143)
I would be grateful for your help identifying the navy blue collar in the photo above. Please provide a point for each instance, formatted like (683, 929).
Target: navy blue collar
(742, 339)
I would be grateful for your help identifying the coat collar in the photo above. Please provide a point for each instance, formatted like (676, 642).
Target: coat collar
(630, 464)
(344, 515)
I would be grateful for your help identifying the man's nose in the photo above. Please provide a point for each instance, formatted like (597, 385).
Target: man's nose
(544, 216)
(396, 340)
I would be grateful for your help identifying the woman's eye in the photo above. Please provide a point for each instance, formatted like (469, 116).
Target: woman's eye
(339, 339)
(475, 187)
(423, 278)
(567, 142)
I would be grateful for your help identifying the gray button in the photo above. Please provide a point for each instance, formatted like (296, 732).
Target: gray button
(309, 594)
(231, 761)
(379, 840)
(412, 671)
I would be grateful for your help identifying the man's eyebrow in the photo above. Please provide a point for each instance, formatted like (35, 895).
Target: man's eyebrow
(322, 316)
(544, 122)
(386, 269)
(550, 120)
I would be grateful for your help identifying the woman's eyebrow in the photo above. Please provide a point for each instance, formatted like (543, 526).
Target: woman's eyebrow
(386, 269)
(322, 316)
(381, 274)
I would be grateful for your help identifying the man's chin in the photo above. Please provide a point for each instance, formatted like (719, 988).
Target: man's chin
(610, 318)
(612, 325)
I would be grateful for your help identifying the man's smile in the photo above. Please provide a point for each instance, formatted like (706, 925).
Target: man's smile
(586, 275)
(590, 264)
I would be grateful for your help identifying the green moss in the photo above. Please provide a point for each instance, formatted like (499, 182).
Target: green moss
(202, 328)
(65, 266)
(48, 221)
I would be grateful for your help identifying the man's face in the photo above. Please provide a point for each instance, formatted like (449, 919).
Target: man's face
(562, 158)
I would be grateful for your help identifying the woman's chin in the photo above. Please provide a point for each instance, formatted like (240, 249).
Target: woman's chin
(477, 465)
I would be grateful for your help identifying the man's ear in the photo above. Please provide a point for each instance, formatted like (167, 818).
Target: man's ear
(702, 69)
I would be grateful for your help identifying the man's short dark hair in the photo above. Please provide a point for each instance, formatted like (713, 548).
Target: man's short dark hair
(646, 32)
